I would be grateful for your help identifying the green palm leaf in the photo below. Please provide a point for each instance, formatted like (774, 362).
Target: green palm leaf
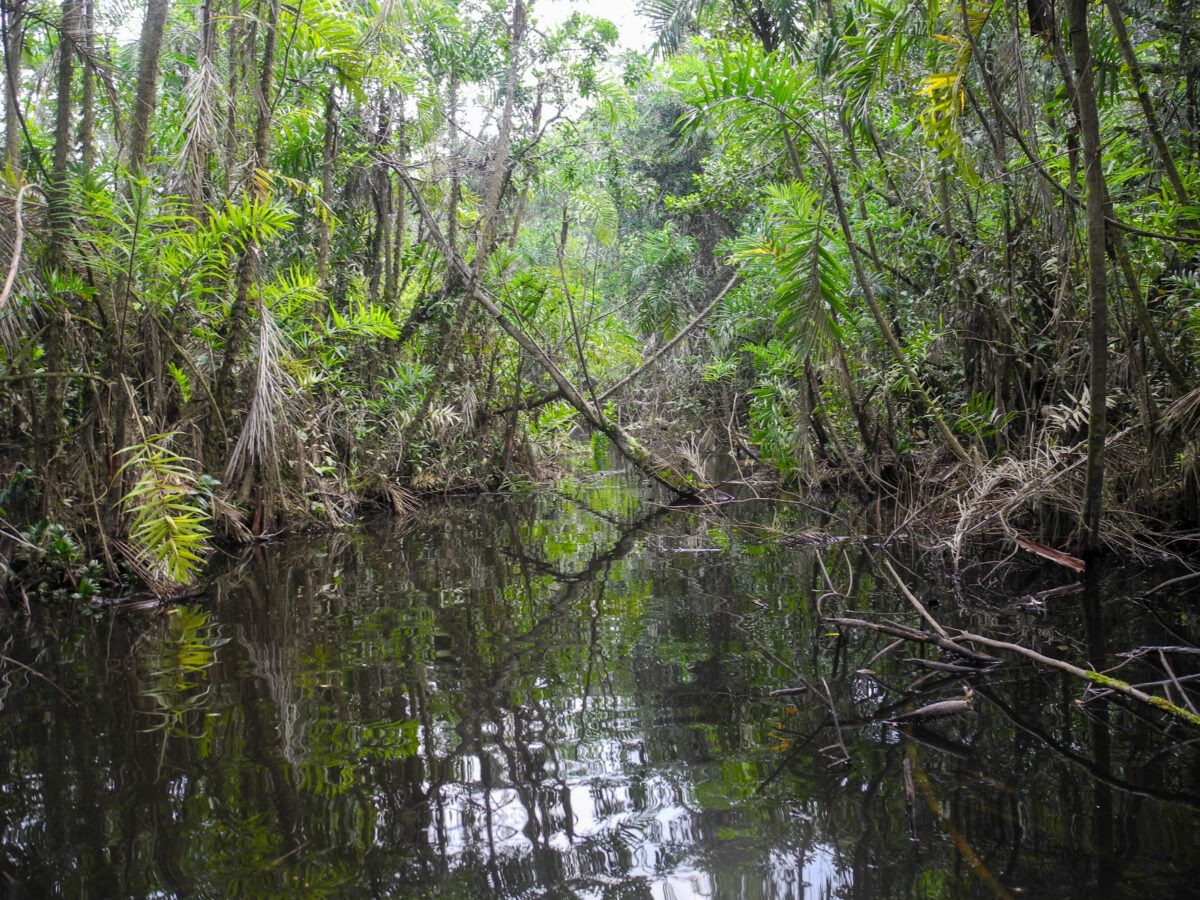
(802, 260)
(168, 521)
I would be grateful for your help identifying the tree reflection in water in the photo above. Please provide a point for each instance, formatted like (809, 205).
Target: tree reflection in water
(568, 695)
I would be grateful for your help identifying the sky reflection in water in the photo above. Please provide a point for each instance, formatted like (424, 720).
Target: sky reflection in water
(567, 695)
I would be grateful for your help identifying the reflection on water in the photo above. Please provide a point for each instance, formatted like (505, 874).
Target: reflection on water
(569, 695)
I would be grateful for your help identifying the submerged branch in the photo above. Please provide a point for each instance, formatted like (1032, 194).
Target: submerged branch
(895, 629)
(1097, 678)
(36, 674)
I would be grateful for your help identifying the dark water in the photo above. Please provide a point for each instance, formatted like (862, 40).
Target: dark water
(568, 695)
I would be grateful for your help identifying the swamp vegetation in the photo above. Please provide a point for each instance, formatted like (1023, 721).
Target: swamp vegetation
(270, 265)
(924, 274)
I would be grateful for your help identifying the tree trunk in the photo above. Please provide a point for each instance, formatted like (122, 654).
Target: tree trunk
(1097, 274)
(535, 128)
(12, 29)
(496, 180)
(877, 312)
(488, 217)
(379, 234)
(229, 150)
(58, 197)
(60, 217)
(87, 120)
(264, 87)
(651, 465)
(248, 265)
(1185, 13)
(400, 202)
(328, 153)
(381, 201)
(455, 187)
(1139, 85)
(399, 242)
(202, 144)
(146, 98)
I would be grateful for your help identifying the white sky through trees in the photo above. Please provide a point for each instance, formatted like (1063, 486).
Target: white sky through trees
(125, 18)
(634, 28)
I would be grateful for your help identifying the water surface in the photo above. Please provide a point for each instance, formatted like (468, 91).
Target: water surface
(570, 695)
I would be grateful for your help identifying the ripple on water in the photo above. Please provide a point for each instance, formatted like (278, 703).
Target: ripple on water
(542, 698)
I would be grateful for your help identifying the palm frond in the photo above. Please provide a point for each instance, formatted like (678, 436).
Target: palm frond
(256, 444)
(802, 259)
(203, 96)
(169, 529)
(879, 46)
(745, 88)
(673, 21)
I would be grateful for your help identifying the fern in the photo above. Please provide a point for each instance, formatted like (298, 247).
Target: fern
(169, 525)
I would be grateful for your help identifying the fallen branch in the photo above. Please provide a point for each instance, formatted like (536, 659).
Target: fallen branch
(1074, 563)
(1099, 678)
(937, 710)
(915, 773)
(649, 463)
(895, 629)
(1175, 682)
(839, 743)
(948, 642)
(670, 345)
(921, 610)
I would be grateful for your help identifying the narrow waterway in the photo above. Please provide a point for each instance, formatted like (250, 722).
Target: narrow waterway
(578, 693)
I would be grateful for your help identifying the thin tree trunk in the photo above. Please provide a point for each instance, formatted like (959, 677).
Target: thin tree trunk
(146, 98)
(248, 265)
(87, 120)
(1139, 85)
(671, 344)
(58, 199)
(381, 200)
(535, 128)
(488, 218)
(452, 205)
(651, 465)
(264, 86)
(1185, 12)
(375, 251)
(1024, 128)
(400, 201)
(119, 333)
(889, 336)
(1097, 273)
(1141, 314)
(12, 29)
(328, 153)
(385, 225)
(229, 150)
(202, 145)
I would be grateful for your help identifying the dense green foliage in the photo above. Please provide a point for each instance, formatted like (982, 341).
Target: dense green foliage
(276, 261)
